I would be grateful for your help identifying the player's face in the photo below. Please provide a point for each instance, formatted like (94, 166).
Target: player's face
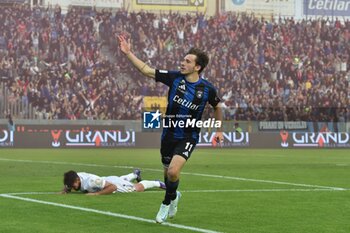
(76, 184)
(188, 65)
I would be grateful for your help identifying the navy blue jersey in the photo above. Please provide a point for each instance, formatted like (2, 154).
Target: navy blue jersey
(186, 100)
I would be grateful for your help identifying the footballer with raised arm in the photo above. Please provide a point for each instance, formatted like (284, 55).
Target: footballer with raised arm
(187, 97)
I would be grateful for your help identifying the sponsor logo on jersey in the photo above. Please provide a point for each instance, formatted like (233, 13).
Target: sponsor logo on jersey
(185, 103)
(182, 88)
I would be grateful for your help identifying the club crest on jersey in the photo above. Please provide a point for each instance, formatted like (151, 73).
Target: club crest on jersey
(199, 94)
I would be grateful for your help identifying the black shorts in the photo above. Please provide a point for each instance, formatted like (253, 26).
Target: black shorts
(171, 147)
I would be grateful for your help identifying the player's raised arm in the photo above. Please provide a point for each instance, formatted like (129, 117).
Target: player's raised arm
(125, 47)
(218, 116)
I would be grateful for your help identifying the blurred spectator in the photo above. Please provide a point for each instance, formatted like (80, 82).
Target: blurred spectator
(10, 125)
(237, 128)
(277, 70)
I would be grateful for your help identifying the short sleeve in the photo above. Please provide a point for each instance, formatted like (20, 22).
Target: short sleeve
(166, 76)
(213, 97)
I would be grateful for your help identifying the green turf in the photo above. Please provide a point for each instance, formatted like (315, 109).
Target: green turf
(232, 211)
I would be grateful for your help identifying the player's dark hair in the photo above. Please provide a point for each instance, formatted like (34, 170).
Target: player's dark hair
(202, 58)
(69, 179)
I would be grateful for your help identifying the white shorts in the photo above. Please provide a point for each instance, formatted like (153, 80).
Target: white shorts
(123, 186)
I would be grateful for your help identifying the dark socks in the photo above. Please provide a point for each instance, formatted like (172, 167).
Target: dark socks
(170, 193)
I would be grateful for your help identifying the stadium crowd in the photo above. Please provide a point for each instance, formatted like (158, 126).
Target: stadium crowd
(264, 69)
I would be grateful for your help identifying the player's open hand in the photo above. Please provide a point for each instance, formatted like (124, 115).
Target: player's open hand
(124, 44)
(219, 138)
(65, 190)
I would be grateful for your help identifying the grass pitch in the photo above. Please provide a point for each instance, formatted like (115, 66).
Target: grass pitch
(223, 190)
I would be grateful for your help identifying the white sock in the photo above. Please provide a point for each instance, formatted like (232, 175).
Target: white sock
(150, 184)
(129, 177)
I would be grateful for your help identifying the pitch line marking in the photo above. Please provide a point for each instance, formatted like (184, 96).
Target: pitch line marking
(200, 191)
(29, 193)
(264, 181)
(256, 190)
(108, 213)
(185, 173)
(342, 164)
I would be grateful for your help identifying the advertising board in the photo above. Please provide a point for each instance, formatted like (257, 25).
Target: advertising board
(284, 8)
(327, 8)
(104, 136)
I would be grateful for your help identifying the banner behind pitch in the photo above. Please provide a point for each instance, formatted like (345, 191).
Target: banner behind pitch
(101, 136)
